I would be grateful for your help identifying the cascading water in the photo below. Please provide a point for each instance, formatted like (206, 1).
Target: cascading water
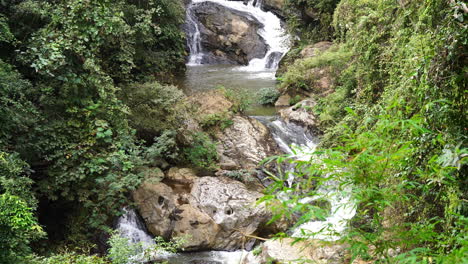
(298, 142)
(272, 31)
(131, 227)
(193, 39)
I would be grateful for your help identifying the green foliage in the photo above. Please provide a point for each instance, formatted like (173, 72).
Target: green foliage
(304, 75)
(241, 99)
(240, 175)
(295, 99)
(18, 228)
(221, 120)
(202, 152)
(63, 128)
(311, 19)
(164, 147)
(123, 251)
(5, 33)
(153, 108)
(268, 96)
(67, 258)
(395, 130)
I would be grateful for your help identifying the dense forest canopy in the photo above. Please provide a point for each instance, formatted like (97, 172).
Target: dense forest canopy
(88, 104)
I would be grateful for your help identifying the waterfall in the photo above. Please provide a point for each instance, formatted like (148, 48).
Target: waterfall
(194, 39)
(130, 226)
(300, 144)
(272, 32)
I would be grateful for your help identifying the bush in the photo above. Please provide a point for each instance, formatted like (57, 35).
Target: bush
(164, 147)
(202, 152)
(222, 120)
(241, 99)
(268, 96)
(153, 108)
(18, 228)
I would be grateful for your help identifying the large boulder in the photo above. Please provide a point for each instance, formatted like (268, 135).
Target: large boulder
(212, 102)
(211, 212)
(228, 35)
(156, 203)
(232, 206)
(198, 227)
(245, 143)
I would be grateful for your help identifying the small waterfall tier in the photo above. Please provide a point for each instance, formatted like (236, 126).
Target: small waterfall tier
(300, 143)
(130, 226)
(270, 31)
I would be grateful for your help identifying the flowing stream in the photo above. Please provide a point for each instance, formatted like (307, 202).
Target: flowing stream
(291, 138)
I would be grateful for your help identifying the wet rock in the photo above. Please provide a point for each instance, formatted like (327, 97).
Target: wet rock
(301, 114)
(245, 143)
(232, 206)
(229, 36)
(181, 175)
(273, 60)
(274, 6)
(282, 251)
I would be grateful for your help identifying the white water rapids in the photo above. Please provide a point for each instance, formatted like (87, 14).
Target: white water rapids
(300, 144)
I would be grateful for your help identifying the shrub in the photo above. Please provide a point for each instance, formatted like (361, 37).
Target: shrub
(18, 227)
(241, 99)
(294, 100)
(268, 96)
(164, 147)
(202, 152)
(153, 108)
(214, 120)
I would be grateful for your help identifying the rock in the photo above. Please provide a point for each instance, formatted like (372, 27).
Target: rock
(274, 6)
(210, 103)
(229, 36)
(301, 114)
(156, 205)
(283, 100)
(320, 80)
(245, 143)
(273, 60)
(197, 226)
(307, 52)
(181, 181)
(229, 166)
(308, 251)
(181, 175)
(315, 49)
(213, 212)
(232, 206)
